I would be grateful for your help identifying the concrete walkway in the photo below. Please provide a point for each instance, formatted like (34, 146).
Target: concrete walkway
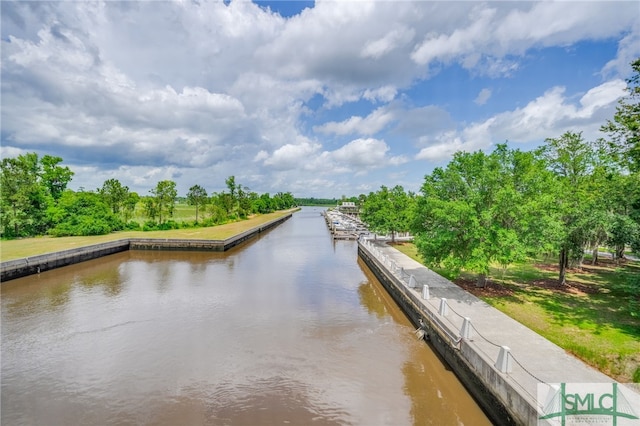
(534, 359)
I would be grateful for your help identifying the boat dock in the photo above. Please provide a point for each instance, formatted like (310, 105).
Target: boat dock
(343, 226)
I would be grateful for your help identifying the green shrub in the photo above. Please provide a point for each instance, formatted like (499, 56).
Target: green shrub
(132, 226)
(168, 225)
(83, 226)
(83, 214)
(150, 225)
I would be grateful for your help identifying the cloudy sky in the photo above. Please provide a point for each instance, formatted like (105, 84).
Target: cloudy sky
(323, 98)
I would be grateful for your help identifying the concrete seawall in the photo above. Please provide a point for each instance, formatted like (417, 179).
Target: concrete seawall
(204, 245)
(493, 407)
(502, 363)
(35, 264)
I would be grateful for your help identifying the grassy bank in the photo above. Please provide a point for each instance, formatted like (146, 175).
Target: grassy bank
(16, 249)
(589, 317)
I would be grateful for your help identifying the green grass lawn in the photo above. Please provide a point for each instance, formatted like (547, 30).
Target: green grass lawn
(16, 249)
(590, 317)
(182, 213)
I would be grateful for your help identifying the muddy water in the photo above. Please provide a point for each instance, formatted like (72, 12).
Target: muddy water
(288, 329)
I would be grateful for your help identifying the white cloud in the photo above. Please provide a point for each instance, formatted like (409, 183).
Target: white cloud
(461, 41)
(292, 156)
(443, 149)
(552, 114)
(483, 96)
(261, 156)
(368, 125)
(359, 156)
(628, 51)
(10, 152)
(381, 94)
(398, 160)
(493, 32)
(378, 48)
(361, 153)
(549, 115)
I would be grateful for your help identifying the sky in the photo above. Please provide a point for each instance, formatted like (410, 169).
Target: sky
(320, 99)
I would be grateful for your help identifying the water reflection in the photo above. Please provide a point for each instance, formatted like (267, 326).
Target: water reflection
(288, 328)
(429, 385)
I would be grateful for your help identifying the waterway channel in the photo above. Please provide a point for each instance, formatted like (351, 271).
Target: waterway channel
(289, 328)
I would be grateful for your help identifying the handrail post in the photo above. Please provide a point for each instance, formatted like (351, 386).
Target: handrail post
(425, 292)
(465, 330)
(443, 307)
(503, 364)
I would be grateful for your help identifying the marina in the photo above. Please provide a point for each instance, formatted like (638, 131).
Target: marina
(344, 226)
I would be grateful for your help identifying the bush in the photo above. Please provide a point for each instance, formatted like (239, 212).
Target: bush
(82, 213)
(132, 226)
(150, 225)
(83, 226)
(190, 224)
(170, 224)
(164, 226)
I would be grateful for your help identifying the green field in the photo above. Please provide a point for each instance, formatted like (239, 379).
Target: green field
(182, 213)
(16, 249)
(589, 317)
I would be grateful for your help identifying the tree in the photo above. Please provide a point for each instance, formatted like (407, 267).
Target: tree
(164, 195)
(216, 213)
(231, 184)
(54, 177)
(150, 207)
(224, 201)
(624, 129)
(263, 204)
(283, 200)
(573, 161)
(129, 205)
(114, 194)
(244, 200)
(231, 201)
(197, 196)
(24, 197)
(624, 231)
(388, 211)
(482, 209)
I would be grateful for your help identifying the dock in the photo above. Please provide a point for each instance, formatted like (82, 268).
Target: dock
(343, 226)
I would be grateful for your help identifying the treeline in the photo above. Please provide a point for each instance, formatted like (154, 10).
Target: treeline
(564, 198)
(325, 202)
(35, 201)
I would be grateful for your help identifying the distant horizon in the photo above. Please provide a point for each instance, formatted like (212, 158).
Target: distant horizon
(320, 99)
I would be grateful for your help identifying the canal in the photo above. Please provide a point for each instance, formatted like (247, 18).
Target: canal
(290, 328)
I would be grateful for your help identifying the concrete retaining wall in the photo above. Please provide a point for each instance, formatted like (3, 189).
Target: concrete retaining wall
(33, 265)
(240, 238)
(502, 404)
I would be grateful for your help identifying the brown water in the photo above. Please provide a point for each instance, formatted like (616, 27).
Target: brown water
(288, 329)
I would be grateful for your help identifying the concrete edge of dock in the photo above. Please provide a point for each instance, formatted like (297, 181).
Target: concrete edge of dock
(502, 403)
(18, 268)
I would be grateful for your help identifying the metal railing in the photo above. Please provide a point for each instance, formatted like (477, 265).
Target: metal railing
(439, 316)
